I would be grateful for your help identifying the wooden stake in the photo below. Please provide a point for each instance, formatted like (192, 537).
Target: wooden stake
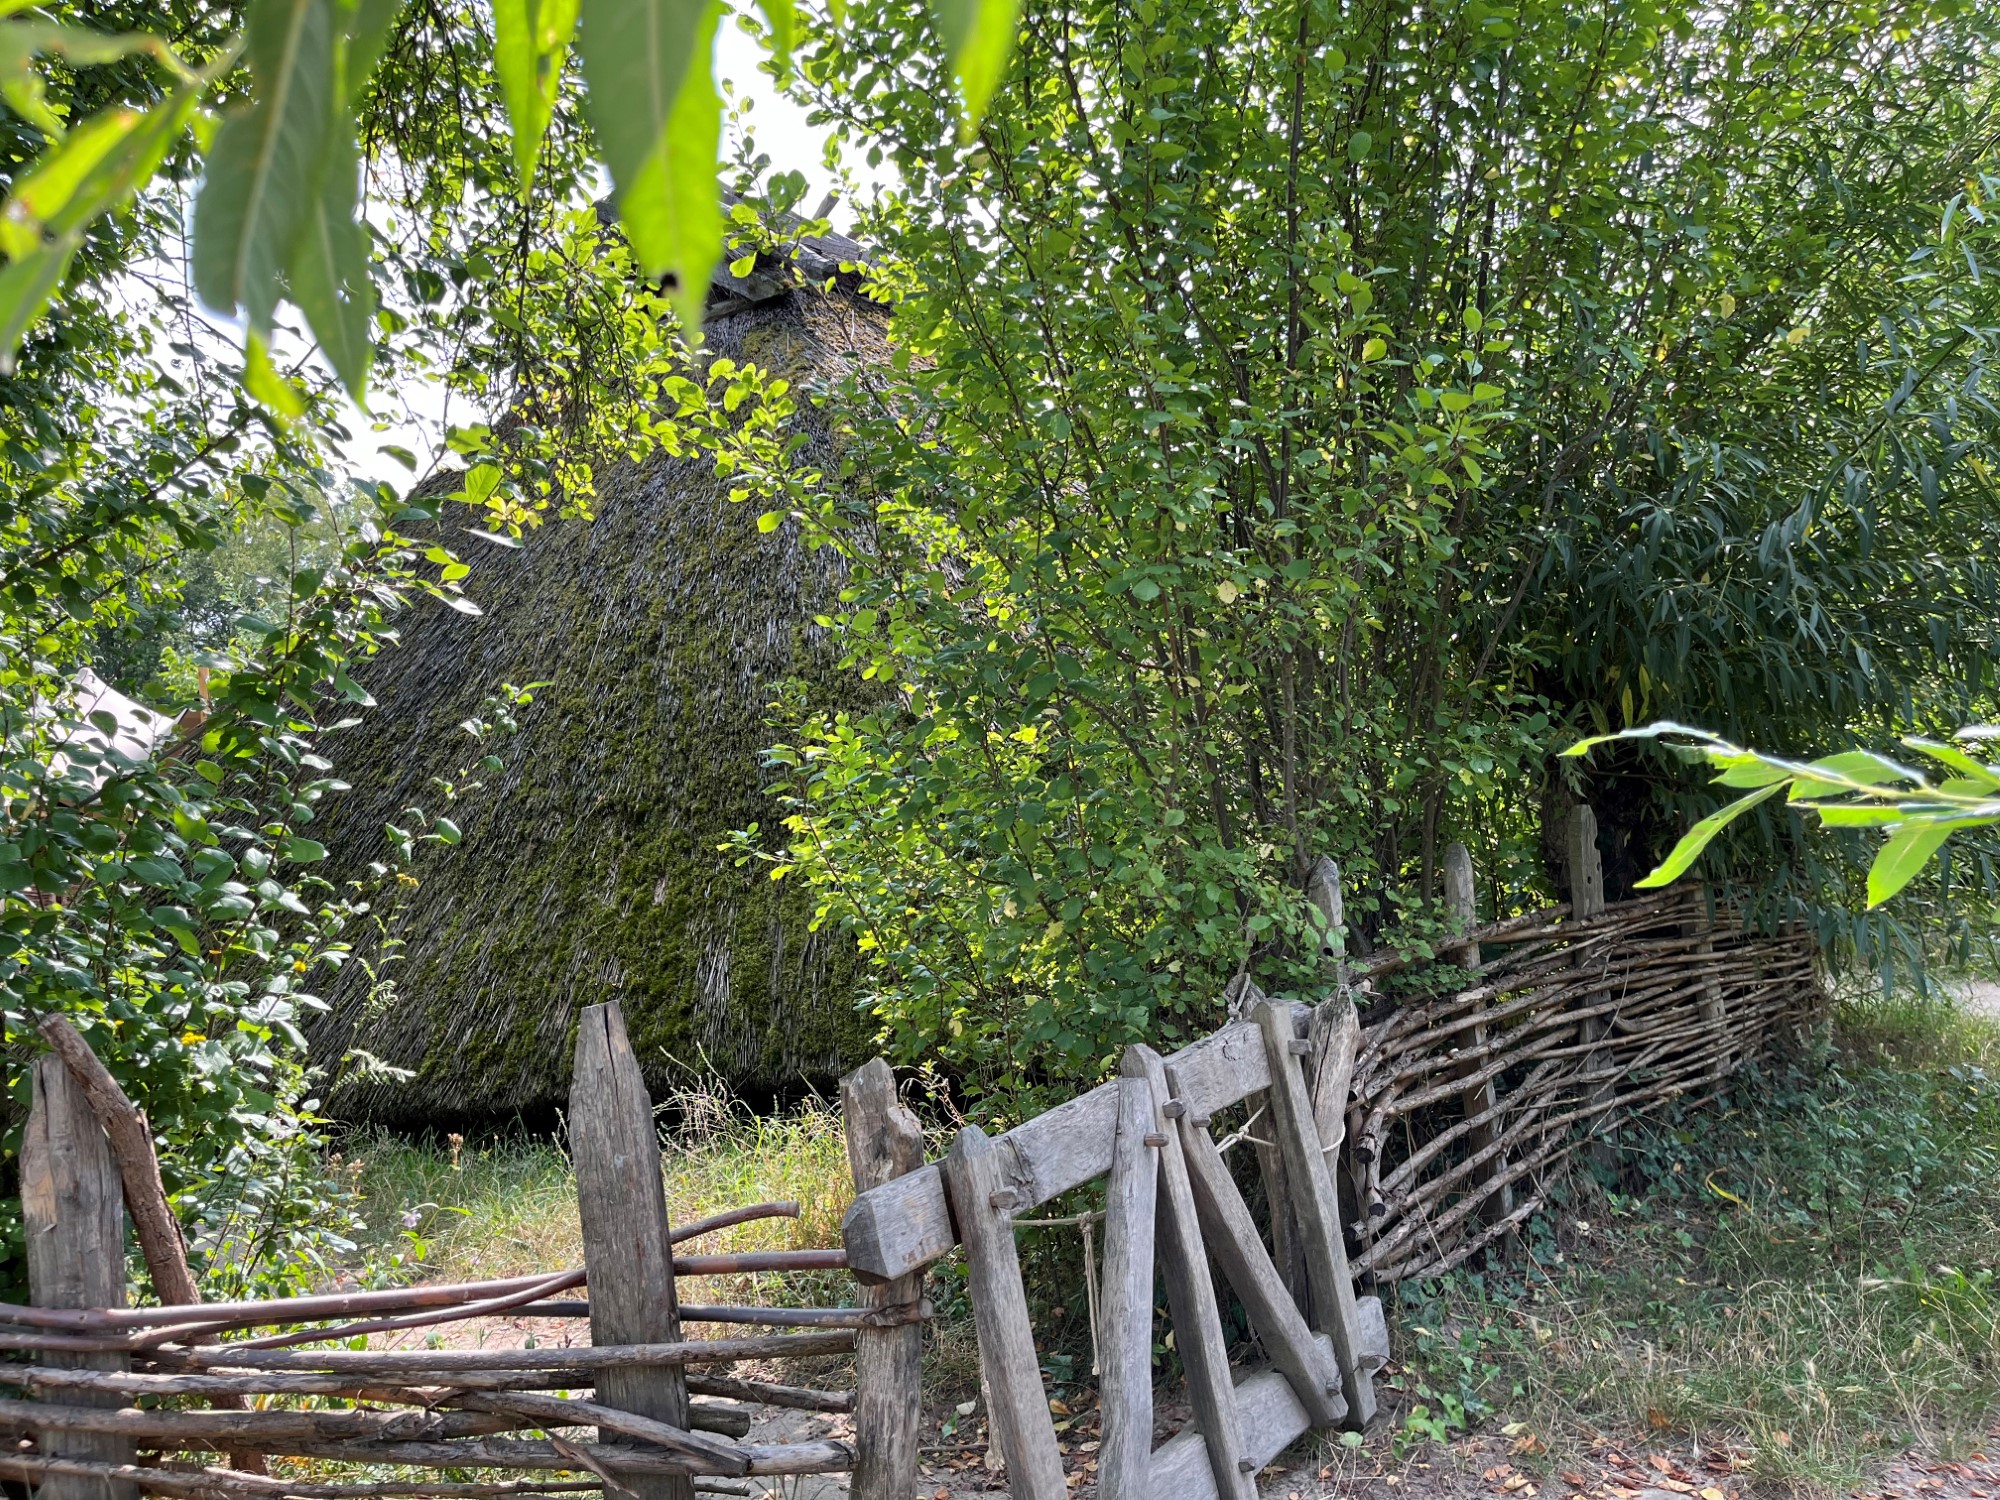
(1461, 901)
(884, 1142)
(1191, 1295)
(1125, 1347)
(1017, 1403)
(1319, 1212)
(1287, 1252)
(75, 1228)
(627, 1252)
(1232, 1238)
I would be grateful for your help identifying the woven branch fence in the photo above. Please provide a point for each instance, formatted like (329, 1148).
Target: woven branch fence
(1463, 1103)
(1392, 1139)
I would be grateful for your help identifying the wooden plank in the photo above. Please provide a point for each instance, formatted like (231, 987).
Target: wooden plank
(627, 1242)
(74, 1222)
(1232, 1238)
(1333, 1036)
(906, 1224)
(1125, 1347)
(884, 1142)
(1318, 1209)
(1267, 1410)
(1191, 1295)
(1017, 1405)
(1287, 1252)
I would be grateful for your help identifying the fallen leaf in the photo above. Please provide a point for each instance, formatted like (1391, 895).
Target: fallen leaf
(1575, 1479)
(1657, 1419)
(1712, 1493)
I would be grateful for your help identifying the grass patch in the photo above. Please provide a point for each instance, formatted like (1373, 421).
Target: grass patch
(449, 1209)
(1805, 1273)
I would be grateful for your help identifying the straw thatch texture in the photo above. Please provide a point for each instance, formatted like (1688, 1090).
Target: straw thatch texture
(1573, 1024)
(591, 870)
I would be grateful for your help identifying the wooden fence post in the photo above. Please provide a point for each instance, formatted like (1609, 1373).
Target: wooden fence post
(1017, 1404)
(627, 1248)
(153, 1221)
(1319, 1211)
(1191, 1293)
(1323, 891)
(1125, 1351)
(1461, 900)
(1586, 901)
(1287, 1253)
(72, 1211)
(884, 1142)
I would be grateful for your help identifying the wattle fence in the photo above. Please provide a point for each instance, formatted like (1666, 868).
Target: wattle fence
(1391, 1139)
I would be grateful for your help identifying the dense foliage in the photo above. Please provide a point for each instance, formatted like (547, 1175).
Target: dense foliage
(1310, 418)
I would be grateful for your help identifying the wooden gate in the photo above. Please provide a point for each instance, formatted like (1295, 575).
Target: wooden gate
(1168, 1193)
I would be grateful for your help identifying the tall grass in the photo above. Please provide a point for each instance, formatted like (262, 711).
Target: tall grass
(446, 1208)
(1807, 1273)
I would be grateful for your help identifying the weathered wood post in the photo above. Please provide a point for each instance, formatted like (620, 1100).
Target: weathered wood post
(627, 1245)
(1480, 1100)
(1586, 901)
(1125, 1353)
(71, 1209)
(884, 1142)
(1319, 1210)
(153, 1222)
(1017, 1404)
(1191, 1291)
(1286, 1250)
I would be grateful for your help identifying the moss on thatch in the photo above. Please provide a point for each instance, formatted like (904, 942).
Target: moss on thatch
(591, 870)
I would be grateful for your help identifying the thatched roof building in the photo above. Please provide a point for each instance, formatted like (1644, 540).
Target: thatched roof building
(591, 871)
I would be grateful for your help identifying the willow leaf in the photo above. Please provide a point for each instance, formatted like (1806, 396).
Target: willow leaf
(25, 289)
(264, 167)
(636, 56)
(978, 39)
(530, 40)
(1902, 855)
(329, 269)
(1697, 838)
(672, 212)
(369, 29)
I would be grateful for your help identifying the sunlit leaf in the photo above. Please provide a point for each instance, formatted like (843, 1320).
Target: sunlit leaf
(262, 380)
(329, 271)
(530, 40)
(978, 39)
(1958, 760)
(783, 16)
(263, 169)
(671, 210)
(1902, 855)
(636, 55)
(25, 289)
(369, 30)
(1697, 838)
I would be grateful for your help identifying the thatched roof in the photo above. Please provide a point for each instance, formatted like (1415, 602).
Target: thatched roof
(591, 870)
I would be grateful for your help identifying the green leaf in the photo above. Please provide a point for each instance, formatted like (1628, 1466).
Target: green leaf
(1359, 145)
(1863, 815)
(302, 851)
(1697, 838)
(329, 270)
(57, 174)
(264, 167)
(369, 30)
(25, 289)
(262, 380)
(1853, 767)
(1958, 760)
(783, 16)
(668, 200)
(771, 520)
(636, 55)
(978, 39)
(1373, 350)
(1902, 855)
(530, 40)
(448, 831)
